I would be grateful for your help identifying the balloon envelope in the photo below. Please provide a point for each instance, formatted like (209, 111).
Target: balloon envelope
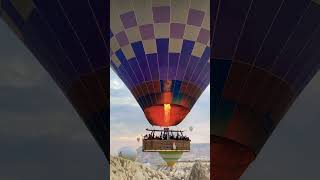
(171, 157)
(160, 50)
(264, 53)
(69, 40)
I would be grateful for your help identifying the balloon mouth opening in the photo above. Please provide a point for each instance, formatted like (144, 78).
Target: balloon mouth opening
(165, 115)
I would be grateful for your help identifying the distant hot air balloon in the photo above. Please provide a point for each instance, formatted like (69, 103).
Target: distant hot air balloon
(264, 53)
(160, 50)
(171, 157)
(69, 39)
(128, 153)
(191, 128)
(138, 139)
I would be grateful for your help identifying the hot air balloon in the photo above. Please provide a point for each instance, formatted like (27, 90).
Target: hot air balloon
(69, 40)
(160, 50)
(263, 54)
(191, 128)
(171, 157)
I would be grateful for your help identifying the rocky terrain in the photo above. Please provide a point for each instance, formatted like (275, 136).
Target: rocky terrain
(123, 169)
(187, 171)
(200, 171)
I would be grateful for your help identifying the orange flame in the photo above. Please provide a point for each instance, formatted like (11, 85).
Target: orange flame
(167, 108)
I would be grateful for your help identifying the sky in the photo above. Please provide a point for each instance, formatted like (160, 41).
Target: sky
(42, 137)
(127, 120)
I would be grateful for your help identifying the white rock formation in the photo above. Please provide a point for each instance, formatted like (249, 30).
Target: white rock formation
(122, 169)
(181, 171)
(199, 171)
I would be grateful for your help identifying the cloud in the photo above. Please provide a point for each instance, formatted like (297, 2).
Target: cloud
(119, 93)
(18, 74)
(115, 84)
(124, 101)
(18, 67)
(126, 138)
